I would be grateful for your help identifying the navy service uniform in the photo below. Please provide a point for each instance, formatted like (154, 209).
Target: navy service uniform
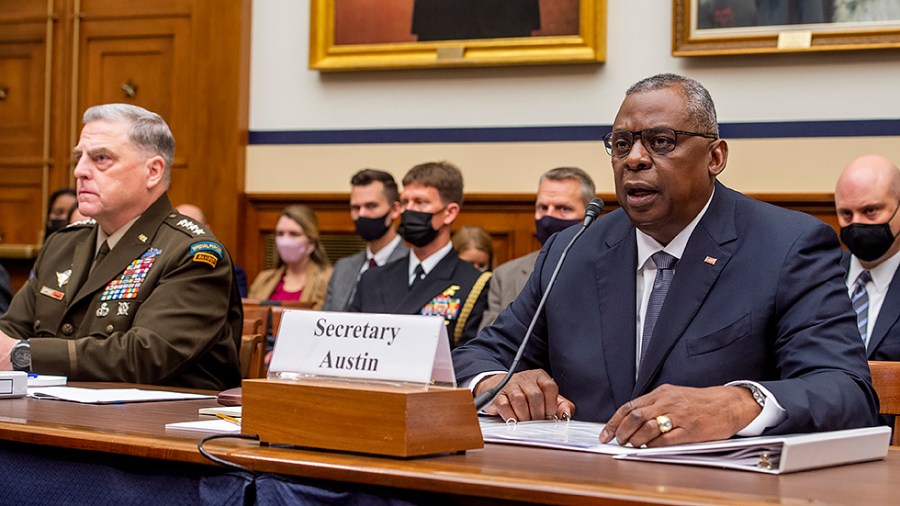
(453, 289)
(161, 308)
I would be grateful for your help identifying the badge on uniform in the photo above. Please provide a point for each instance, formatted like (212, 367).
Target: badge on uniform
(206, 252)
(53, 294)
(62, 278)
(442, 305)
(129, 283)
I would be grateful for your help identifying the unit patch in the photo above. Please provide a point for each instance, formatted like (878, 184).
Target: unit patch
(206, 252)
(129, 283)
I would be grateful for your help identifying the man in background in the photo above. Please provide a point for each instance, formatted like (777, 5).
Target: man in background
(866, 196)
(195, 213)
(431, 279)
(563, 195)
(374, 207)
(137, 294)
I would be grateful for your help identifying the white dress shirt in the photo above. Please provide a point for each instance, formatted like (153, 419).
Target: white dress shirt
(882, 275)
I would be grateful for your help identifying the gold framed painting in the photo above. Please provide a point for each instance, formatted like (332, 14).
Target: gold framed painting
(392, 34)
(714, 27)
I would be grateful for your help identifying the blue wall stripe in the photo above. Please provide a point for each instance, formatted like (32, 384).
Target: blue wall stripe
(770, 130)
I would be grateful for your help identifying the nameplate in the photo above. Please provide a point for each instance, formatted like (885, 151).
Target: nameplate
(384, 347)
(795, 40)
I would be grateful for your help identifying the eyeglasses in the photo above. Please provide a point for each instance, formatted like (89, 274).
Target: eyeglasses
(658, 141)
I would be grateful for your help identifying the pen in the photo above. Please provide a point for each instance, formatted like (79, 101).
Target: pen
(229, 419)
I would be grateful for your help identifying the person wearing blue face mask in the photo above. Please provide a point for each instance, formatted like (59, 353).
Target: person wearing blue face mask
(374, 207)
(866, 197)
(562, 196)
(431, 280)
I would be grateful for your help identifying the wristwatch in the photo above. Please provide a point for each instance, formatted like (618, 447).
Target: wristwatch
(758, 394)
(20, 356)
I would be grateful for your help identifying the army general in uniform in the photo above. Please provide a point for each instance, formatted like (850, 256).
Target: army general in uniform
(139, 293)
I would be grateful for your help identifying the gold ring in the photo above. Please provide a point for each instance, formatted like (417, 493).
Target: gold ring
(664, 423)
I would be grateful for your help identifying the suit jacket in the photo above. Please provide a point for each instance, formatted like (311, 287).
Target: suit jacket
(884, 340)
(506, 283)
(5, 290)
(313, 291)
(452, 290)
(161, 308)
(758, 295)
(342, 285)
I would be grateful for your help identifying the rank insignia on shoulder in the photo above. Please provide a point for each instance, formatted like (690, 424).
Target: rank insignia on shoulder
(448, 307)
(81, 223)
(190, 226)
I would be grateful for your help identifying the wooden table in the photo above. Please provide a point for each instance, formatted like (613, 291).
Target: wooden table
(494, 474)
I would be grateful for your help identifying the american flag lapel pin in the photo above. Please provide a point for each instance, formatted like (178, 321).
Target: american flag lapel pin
(710, 260)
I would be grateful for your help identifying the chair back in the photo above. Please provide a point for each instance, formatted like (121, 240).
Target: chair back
(886, 380)
(252, 356)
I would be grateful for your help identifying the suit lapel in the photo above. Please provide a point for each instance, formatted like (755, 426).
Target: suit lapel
(708, 251)
(887, 316)
(81, 264)
(615, 290)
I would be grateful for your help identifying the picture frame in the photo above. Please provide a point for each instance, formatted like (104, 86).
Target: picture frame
(729, 27)
(348, 35)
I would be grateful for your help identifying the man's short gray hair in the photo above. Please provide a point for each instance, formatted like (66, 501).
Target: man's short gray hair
(588, 191)
(147, 130)
(700, 106)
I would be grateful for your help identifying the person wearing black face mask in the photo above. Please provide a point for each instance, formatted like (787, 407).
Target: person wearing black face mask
(562, 196)
(431, 279)
(867, 196)
(374, 207)
(59, 204)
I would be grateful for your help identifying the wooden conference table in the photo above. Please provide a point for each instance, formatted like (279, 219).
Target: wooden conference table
(492, 475)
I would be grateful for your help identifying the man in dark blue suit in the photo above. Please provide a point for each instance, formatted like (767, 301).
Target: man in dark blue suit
(741, 326)
(866, 197)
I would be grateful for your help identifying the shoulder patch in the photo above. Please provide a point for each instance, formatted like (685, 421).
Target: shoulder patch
(206, 252)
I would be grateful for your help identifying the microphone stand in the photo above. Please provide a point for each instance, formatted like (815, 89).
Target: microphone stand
(593, 210)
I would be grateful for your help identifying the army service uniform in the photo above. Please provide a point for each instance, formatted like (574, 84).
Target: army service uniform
(161, 308)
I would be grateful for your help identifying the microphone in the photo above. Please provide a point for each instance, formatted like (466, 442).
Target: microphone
(590, 214)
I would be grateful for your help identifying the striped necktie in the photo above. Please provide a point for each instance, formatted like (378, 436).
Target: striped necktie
(860, 299)
(664, 274)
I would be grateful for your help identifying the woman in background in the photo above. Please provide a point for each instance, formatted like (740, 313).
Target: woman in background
(473, 244)
(303, 268)
(58, 206)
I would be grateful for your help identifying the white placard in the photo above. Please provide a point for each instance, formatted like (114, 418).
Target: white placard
(385, 347)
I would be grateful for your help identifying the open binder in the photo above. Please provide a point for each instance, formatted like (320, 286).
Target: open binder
(765, 454)
(777, 454)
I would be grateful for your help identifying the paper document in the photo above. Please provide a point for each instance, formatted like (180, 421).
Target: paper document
(234, 411)
(767, 454)
(210, 426)
(109, 395)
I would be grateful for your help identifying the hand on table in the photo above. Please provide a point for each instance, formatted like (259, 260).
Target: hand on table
(529, 395)
(696, 414)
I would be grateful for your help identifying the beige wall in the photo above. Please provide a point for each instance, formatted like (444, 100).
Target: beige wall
(754, 166)
(287, 96)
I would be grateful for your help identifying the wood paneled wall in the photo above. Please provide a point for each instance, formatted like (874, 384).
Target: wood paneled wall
(509, 218)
